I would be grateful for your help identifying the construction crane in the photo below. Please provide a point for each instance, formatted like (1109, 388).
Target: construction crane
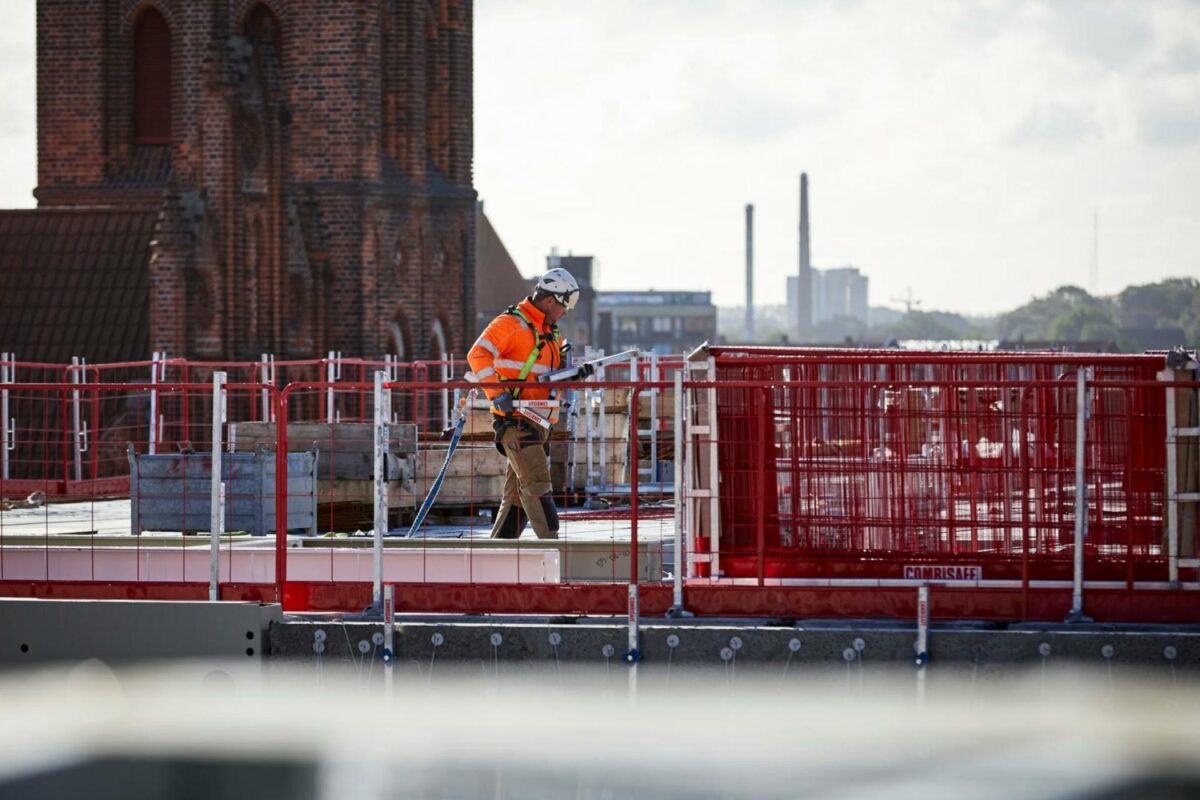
(909, 302)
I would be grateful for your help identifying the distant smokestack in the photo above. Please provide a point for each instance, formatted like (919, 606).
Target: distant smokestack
(749, 272)
(804, 290)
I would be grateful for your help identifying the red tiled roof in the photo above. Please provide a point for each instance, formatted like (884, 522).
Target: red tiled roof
(75, 282)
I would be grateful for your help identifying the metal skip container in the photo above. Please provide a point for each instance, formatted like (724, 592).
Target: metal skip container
(173, 492)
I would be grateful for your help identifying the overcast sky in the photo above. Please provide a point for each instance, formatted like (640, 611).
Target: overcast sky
(955, 148)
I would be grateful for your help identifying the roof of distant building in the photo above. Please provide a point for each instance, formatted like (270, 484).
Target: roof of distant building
(653, 298)
(75, 282)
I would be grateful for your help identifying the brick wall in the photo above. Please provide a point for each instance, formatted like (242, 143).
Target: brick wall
(351, 151)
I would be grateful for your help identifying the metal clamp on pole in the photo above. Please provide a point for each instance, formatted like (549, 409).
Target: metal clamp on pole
(1081, 494)
(217, 507)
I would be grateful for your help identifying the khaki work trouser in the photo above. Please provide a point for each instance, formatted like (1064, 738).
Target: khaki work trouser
(527, 486)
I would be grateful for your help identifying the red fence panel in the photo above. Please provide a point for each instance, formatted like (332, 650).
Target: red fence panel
(450, 562)
(88, 511)
(875, 464)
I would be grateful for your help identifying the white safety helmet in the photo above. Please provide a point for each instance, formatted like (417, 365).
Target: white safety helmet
(559, 284)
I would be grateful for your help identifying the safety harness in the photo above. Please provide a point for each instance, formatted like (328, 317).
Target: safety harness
(539, 341)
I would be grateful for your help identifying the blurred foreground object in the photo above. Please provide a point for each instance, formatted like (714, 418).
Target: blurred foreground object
(199, 730)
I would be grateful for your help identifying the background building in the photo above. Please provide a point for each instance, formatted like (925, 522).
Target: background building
(662, 322)
(836, 293)
(221, 178)
(579, 323)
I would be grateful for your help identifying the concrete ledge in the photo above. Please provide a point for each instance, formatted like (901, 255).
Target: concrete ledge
(116, 631)
(825, 644)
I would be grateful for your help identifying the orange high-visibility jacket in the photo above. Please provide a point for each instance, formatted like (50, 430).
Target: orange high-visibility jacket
(502, 349)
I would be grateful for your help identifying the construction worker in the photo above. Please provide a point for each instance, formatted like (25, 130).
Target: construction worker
(519, 345)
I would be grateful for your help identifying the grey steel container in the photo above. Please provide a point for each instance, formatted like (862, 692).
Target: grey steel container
(173, 492)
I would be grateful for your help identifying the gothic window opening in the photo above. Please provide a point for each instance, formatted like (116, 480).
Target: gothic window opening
(151, 79)
(398, 338)
(265, 35)
(262, 28)
(438, 345)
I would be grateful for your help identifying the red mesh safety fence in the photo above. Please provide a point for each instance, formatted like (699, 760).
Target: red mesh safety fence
(447, 560)
(89, 507)
(882, 465)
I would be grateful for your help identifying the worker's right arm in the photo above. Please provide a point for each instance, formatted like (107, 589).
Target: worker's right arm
(489, 347)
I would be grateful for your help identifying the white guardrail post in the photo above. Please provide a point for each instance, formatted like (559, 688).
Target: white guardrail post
(216, 524)
(8, 433)
(680, 558)
(1081, 494)
(152, 439)
(266, 376)
(922, 644)
(333, 373)
(77, 434)
(446, 370)
(381, 499)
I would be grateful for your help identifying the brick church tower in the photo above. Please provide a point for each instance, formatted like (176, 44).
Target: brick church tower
(307, 164)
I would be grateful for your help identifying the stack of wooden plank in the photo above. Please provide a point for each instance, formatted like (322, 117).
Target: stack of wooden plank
(474, 479)
(345, 464)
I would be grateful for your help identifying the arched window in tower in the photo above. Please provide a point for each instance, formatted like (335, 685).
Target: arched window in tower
(398, 338)
(151, 79)
(265, 35)
(438, 345)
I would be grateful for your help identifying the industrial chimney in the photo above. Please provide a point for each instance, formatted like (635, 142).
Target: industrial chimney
(804, 289)
(749, 272)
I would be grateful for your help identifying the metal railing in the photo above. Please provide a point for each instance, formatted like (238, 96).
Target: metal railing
(801, 484)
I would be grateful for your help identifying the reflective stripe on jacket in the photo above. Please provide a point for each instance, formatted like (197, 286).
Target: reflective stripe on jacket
(502, 349)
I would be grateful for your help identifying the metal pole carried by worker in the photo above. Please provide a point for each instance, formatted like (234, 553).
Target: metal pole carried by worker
(522, 343)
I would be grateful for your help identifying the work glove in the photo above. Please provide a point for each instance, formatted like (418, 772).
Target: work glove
(586, 371)
(503, 403)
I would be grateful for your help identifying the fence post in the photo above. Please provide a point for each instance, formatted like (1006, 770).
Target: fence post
(331, 376)
(152, 445)
(381, 500)
(76, 419)
(1172, 484)
(633, 655)
(1081, 496)
(7, 430)
(389, 368)
(267, 376)
(446, 369)
(281, 493)
(602, 483)
(922, 656)
(677, 609)
(217, 506)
